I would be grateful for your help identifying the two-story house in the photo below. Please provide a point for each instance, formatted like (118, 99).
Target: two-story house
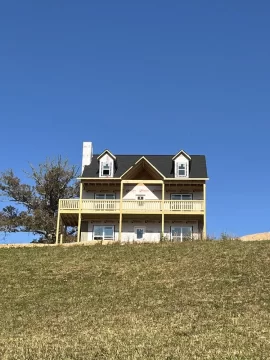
(137, 198)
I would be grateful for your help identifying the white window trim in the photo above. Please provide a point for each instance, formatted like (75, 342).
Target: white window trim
(181, 227)
(102, 163)
(103, 226)
(105, 194)
(139, 227)
(179, 163)
(191, 195)
(105, 204)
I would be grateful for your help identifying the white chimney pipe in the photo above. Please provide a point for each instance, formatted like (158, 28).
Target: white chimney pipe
(87, 154)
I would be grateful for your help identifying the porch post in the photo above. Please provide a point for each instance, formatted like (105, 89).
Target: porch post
(121, 215)
(65, 232)
(79, 227)
(162, 225)
(57, 227)
(80, 214)
(204, 212)
(162, 209)
(120, 227)
(62, 232)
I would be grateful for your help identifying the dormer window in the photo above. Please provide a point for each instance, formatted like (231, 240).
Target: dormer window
(105, 169)
(181, 164)
(182, 170)
(106, 164)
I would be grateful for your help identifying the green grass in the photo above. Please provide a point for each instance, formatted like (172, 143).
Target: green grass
(196, 300)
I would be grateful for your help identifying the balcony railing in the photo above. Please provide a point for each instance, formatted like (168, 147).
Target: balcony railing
(183, 205)
(101, 205)
(131, 206)
(69, 204)
(141, 205)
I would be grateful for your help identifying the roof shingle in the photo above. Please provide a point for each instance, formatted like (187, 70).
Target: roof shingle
(164, 163)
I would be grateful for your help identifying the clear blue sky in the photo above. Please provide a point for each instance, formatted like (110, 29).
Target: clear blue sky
(149, 77)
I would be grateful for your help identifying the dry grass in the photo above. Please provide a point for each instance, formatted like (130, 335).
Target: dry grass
(259, 237)
(197, 300)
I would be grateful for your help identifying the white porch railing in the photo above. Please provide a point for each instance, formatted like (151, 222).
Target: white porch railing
(142, 205)
(69, 204)
(101, 205)
(184, 205)
(132, 206)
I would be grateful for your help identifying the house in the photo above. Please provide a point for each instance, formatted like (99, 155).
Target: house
(137, 198)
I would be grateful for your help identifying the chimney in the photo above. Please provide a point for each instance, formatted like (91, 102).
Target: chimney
(87, 154)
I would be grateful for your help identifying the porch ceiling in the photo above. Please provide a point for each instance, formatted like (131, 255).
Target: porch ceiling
(191, 217)
(99, 216)
(102, 186)
(157, 217)
(169, 187)
(70, 219)
(183, 181)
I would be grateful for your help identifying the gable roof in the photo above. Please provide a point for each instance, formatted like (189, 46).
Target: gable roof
(106, 152)
(141, 163)
(183, 153)
(163, 163)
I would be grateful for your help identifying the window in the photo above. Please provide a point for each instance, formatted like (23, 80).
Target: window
(179, 205)
(181, 170)
(181, 196)
(139, 232)
(108, 205)
(103, 233)
(105, 196)
(105, 169)
(181, 233)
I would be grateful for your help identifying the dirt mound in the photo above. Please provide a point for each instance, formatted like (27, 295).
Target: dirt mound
(258, 236)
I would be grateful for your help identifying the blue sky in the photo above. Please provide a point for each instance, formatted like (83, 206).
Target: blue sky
(149, 77)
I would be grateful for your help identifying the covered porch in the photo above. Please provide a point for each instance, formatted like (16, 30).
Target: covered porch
(132, 228)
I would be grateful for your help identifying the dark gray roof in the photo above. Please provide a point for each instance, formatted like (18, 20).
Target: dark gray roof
(164, 163)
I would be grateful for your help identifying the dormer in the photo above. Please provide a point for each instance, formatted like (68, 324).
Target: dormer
(106, 164)
(181, 164)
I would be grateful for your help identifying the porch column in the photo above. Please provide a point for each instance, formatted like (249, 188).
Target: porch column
(204, 212)
(162, 208)
(58, 227)
(120, 209)
(162, 224)
(63, 230)
(80, 214)
(79, 227)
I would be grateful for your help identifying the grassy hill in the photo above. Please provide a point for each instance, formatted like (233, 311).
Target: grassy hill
(197, 300)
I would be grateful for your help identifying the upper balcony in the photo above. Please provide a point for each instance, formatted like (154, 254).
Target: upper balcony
(94, 206)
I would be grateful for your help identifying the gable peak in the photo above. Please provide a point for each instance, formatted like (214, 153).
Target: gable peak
(182, 152)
